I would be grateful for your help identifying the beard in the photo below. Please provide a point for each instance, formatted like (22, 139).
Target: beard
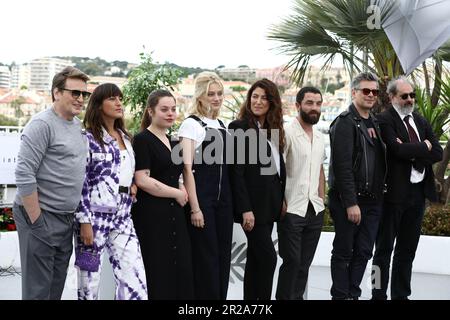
(405, 109)
(312, 117)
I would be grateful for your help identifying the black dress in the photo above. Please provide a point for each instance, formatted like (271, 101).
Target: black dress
(161, 224)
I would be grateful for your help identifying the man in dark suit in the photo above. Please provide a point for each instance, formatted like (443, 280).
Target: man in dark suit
(412, 148)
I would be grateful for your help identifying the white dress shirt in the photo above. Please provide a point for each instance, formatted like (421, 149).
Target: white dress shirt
(416, 176)
(304, 159)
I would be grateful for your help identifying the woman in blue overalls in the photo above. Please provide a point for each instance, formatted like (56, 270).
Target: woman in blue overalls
(203, 141)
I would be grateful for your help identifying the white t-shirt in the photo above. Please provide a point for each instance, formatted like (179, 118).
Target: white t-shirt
(192, 129)
(126, 172)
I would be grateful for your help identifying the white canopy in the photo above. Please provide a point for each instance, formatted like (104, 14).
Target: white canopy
(416, 29)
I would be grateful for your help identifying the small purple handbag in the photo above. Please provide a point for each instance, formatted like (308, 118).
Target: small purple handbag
(87, 258)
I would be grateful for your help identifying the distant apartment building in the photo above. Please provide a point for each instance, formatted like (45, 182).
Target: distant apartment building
(317, 77)
(21, 104)
(334, 105)
(20, 76)
(288, 98)
(278, 75)
(98, 80)
(113, 71)
(5, 77)
(344, 94)
(243, 73)
(43, 70)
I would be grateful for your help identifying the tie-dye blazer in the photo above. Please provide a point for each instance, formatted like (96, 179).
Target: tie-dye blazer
(100, 191)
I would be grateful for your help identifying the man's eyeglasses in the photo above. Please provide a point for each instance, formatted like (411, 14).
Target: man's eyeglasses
(405, 95)
(367, 91)
(77, 93)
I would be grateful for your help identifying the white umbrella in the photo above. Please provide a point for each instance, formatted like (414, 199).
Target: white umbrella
(416, 28)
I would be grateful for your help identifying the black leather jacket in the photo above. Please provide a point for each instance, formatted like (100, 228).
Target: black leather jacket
(353, 156)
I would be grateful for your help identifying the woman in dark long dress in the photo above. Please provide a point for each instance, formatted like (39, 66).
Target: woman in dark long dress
(158, 214)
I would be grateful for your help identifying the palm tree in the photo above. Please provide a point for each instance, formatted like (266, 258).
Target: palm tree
(16, 104)
(332, 29)
(234, 104)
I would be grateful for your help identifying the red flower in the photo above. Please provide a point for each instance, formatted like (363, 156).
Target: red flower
(11, 227)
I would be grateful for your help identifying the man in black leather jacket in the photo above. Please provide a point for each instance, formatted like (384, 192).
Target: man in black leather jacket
(356, 179)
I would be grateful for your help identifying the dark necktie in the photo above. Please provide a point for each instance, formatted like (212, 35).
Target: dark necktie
(413, 138)
(411, 132)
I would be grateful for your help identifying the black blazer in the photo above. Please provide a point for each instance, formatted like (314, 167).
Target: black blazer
(400, 156)
(252, 191)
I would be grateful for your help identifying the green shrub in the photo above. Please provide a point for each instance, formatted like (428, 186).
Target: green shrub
(327, 221)
(436, 221)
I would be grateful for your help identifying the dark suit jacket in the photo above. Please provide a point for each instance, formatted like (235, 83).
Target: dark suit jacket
(400, 156)
(252, 191)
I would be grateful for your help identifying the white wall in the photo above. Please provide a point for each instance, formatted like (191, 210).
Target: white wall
(8, 157)
(430, 280)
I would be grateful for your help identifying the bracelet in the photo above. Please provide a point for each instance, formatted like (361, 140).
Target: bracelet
(195, 211)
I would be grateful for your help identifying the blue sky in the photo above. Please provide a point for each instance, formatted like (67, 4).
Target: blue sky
(204, 33)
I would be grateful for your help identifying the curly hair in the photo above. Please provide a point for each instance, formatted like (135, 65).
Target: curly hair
(274, 116)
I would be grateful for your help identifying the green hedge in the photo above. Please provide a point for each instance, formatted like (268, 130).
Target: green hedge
(436, 221)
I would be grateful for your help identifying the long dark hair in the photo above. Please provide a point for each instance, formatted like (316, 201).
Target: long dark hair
(274, 116)
(152, 102)
(93, 120)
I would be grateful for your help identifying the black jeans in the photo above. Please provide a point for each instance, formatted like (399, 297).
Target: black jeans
(352, 247)
(400, 222)
(298, 238)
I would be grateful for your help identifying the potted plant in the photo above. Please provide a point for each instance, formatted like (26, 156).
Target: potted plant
(6, 220)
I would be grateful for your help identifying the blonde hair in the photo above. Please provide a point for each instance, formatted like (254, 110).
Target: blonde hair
(202, 83)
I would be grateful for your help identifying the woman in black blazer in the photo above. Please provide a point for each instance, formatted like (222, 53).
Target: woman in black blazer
(258, 180)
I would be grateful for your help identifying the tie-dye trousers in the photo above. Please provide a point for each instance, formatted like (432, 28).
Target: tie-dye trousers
(115, 234)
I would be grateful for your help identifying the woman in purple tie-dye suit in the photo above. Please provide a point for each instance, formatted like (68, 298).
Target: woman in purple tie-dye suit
(103, 216)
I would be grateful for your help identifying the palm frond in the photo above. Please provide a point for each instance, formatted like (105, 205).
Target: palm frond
(332, 28)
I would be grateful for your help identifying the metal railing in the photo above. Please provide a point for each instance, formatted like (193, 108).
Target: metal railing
(10, 129)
